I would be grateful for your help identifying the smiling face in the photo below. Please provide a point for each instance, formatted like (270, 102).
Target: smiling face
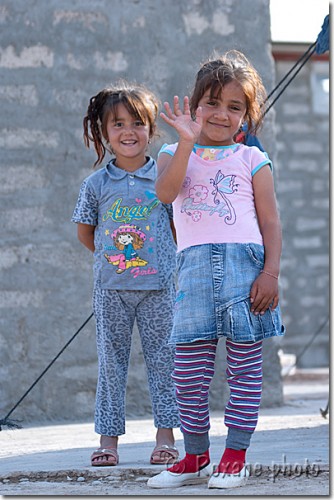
(125, 239)
(128, 138)
(223, 115)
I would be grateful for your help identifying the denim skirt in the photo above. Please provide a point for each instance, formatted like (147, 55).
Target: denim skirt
(213, 292)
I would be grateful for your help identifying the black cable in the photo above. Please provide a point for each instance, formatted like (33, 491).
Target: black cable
(14, 423)
(324, 412)
(293, 76)
(290, 71)
(309, 343)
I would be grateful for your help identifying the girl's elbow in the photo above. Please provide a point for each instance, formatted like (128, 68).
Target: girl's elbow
(166, 199)
(164, 196)
(81, 238)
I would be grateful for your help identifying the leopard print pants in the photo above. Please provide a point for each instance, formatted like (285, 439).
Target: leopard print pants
(115, 313)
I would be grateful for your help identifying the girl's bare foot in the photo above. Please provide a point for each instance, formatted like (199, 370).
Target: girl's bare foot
(164, 451)
(108, 457)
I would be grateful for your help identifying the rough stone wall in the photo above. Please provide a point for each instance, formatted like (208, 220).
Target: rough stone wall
(54, 55)
(303, 191)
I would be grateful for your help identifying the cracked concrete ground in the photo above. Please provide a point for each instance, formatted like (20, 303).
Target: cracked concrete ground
(289, 454)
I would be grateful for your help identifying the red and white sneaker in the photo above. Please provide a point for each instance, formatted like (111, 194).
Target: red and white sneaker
(225, 480)
(231, 471)
(191, 470)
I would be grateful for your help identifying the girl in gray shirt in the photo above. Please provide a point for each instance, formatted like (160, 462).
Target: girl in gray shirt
(120, 219)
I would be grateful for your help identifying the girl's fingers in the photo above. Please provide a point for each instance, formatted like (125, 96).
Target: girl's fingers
(186, 106)
(186, 109)
(258, 305)
(165, 117)
(169, 111)
(198, 117)
(177, 111)
(259, 302)
(169, 121)
(264, 306)
(275, 303)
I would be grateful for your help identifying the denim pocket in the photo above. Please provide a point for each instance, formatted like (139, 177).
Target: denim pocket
(241, 325)
(256, 254)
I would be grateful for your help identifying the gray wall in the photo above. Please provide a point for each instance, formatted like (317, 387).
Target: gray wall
(302, 126)
(54, 55)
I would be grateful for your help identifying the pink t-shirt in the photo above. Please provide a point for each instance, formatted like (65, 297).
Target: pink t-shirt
(216, 201)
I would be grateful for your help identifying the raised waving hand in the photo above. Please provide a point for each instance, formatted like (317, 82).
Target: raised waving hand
(187, 128)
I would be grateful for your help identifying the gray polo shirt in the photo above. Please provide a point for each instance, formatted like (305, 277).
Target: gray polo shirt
(134, 245)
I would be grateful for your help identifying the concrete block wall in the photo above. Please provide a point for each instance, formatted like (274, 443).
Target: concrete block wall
(54, 56)
(302, 132)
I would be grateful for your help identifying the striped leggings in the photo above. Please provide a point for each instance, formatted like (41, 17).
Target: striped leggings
(193, 372)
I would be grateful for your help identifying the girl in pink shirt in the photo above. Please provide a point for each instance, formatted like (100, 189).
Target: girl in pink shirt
(229, 248)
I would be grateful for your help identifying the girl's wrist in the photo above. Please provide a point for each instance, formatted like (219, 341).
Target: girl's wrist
(270, 273)
(185, 143)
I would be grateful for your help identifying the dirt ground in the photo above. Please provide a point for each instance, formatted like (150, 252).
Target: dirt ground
(308, 482)
(47, 461)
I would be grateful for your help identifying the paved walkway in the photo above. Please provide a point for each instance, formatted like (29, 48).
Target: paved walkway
(290, 450)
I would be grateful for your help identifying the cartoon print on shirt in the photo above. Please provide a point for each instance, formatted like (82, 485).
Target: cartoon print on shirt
(198, 193)
(128, 239)
(124, 213)
(224, 184)
(198, 201)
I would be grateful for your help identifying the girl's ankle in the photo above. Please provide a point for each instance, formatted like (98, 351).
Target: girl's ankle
(191, 463)
(108, 441)
(232, 461)
(165, 436)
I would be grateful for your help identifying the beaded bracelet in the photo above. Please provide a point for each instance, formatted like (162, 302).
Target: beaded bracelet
(269, 274)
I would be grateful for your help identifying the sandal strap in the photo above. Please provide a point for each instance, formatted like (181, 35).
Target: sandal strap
(164, 447)
(105, 451)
